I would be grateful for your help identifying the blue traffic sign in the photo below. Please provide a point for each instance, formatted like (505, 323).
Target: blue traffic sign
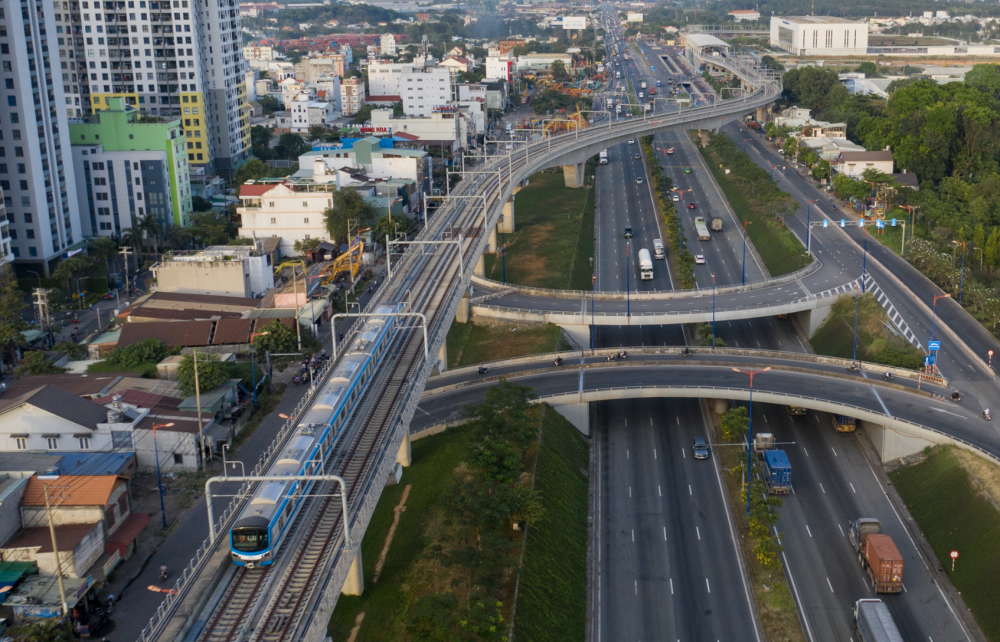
(894, 222)
(826, 223)
(933, 345)
(929, 360)
(842, 222)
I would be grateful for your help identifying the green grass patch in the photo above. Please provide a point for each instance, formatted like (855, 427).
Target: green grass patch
(956, 511)
(471, 343)
(754, 199)
(385, 602)
(551, 603)
(876, 344)
(545, 250)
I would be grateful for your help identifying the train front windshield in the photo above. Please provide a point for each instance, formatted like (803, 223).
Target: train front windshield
(249, 540)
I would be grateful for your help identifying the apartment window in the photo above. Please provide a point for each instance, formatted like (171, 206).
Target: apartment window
(20, 443)
(178, 458)
(829, 39)
(274, 221)
(815, 39)
(52, 443)
(84, 443)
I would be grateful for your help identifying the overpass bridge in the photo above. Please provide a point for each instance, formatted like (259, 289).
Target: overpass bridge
(294, 600)
(901, 417)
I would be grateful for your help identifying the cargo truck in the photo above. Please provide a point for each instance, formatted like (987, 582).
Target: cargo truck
(777, 472)
(658, 252)
(844, 424)
(645, 265)
(652, 91)
(604, 157)
(642, 84)
(878, 555)
(716, 223)
(762, 442)
(874, 623)
(618, 75)
(699, 226)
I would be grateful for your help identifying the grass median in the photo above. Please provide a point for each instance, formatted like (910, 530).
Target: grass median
(471, 343)
(553, 238)
(955, 497)
(757, 202)
(877, 341)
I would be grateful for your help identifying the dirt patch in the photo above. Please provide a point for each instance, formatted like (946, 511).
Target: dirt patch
(397, 511)
(985, 475)
(357, 627)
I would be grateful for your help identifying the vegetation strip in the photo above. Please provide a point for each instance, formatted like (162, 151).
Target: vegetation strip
(471, 343)
(876, 341)
(758, 203)
(955, 498)
(547, 244)
(775, 605)
(681, 261)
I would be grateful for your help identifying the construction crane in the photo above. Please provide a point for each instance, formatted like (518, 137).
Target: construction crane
(349, 261)
(279, 268)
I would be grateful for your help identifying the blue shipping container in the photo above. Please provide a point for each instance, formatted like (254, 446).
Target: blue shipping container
(777, 471)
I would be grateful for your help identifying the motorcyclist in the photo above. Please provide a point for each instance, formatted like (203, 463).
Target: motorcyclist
(955, 396)
(986, 413)
(482, 370)
(163, 571)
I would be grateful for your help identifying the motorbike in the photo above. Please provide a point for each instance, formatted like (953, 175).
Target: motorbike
(887, 376)
(986, 414)
(956, 397)
(482, 370)
(686, 352)
(853, 368)
(558, 361)
(163, 575)
(296, 380)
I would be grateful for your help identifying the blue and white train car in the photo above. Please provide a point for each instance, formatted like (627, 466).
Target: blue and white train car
(257, 534)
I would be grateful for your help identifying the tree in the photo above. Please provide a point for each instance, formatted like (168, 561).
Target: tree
(260, 140)
(252, 170)
(821, 169)
(35, 363)
(133, 356)
(504, 414)
(868, 68)
(150, 229)
(11, 324)
(43, 631)
(211, 228)
(705, 336)
(306, 245)
(73, 268)
(291, 146)
(400, 223)
(790, 146)
(558, 71)
(735, 424)
(348, 206)
(211, 374)
(363, 115)
(103, 248)
(275, 338)
(200, 204)
(269, 105)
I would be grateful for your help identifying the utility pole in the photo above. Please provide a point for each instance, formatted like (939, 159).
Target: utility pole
(295, 290)
(55, 549)
(125, 252)
(350, 250)
(41, 297)
(197, 400)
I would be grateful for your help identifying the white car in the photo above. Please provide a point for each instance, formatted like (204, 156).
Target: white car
(699, 259)
(631, 141)
(638, 181)
(670, 150)
(675, 198)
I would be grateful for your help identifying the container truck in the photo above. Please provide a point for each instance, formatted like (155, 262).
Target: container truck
(642, 85)
(645, 265)
(716, 223)
(873, 622)
(762, 442)
(618, 75)
(652, 91)
(844, 424)
(604, 157)
(777, 472)
(878, 555)
(658, 252)
(699, 225)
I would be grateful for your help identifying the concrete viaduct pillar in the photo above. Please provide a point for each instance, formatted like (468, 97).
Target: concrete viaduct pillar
(507, 219)
(577, 414)
(480, 269)
(811, 320)
(720, 406)
(462, 315)
(404, 457)
(441, 364)
(355, 582)
(573, 175)
(891, 443)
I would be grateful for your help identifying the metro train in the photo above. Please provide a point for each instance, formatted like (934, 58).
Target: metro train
(259, 531)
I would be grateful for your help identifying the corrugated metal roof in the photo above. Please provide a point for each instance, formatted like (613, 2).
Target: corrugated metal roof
(204, 298)
(60, 403)
(78, 384)
(231, 331)
(173, 335)
(71, 490)
(147, 312)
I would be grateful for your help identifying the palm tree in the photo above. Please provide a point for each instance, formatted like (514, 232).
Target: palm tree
(150, 228)
(103, 247)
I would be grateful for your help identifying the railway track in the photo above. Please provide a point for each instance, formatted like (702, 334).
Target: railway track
(427, 280)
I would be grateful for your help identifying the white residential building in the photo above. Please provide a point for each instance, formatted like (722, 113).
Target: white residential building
(277, 210)
(380, 163)
(191, 67)
(306, 112)
(457, 63)
(35, 175)
(386, 78)
(745, 14)
(387, 44)
(221, 270)
(5, 254)
(819, 36)
(472, 91)
(424, 89)
(446, 128)
(253, 52)
(854, 164)
(499, 67)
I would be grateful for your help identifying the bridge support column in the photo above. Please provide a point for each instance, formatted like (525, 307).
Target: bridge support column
(891, 443)
(760, 115)
(577, 414)
(720, 406)
(462, 314)
(573, 175)
(577, 335)
(355, 582)
(480, 269)
(441, 364)
(404, 457)
(491, 242)
(507, 222)
(811, 320)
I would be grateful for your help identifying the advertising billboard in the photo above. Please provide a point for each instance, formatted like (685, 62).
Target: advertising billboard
(574, 22)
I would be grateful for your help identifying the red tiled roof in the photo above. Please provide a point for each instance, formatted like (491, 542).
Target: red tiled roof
(383, 99)
(406, 136)
(127, 531)
(256, 189)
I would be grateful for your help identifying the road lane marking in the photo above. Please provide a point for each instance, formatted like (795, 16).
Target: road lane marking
(834, 451)
(707, 585)
(637, 587)
(629, 491)
(664, 533)
(698, 532)
(841, 530)
(689, 490)
(683, 454)
(633, 534)
(659, 491)
(821, 488)
(627, 456)
(852, 487)
(829, 584)
(805, 451)
(671, 586)
(654, 453)
(809, 531)
(947, 412)
(678, 420)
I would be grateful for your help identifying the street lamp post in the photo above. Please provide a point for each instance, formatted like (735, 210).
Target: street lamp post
(808, 213)
(864, 260)
(743, 268)
(980, 256)
(857, 293)
(593, 286)
(934, 311)
(159, 479)
(750, 430)
(628, 286)
(713, 310)
(503, 250)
